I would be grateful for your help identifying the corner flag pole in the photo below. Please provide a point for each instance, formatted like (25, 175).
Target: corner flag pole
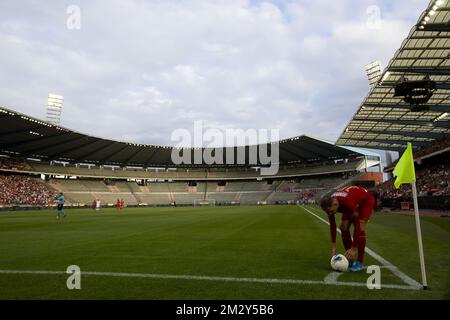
(419, 236)
(405, 173)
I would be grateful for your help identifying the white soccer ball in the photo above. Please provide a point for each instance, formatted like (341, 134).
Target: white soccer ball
(339, 263)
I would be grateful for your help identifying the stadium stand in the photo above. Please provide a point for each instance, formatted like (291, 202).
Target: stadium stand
(154, 180)
(13, 164)
(224, 197)
(183, 174)
(432, 181)
(434, 149)
(441, 145)
(81, 192)
(23, 190)
(159, 187)
(81, 187)
(253, 197)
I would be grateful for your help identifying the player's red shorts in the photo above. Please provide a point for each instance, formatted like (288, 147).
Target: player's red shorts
(364, 211)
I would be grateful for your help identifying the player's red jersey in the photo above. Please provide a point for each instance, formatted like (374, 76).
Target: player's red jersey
(355, 199)
(352, 200)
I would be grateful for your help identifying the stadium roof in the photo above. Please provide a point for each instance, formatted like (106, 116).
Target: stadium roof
(386, 122)
(25, 136)
(362, 151)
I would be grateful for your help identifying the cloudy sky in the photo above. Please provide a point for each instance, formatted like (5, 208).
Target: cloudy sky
(137, 70)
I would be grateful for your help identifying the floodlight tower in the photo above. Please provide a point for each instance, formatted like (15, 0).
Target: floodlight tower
(373, 71)
(54, 108)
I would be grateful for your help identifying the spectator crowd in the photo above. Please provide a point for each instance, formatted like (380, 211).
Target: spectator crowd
(437, 145)
(431, 180)
(12, 164)
(308, 196)
(23, 190)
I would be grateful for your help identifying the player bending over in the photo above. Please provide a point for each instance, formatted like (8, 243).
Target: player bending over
(356, 205)
(61, 201)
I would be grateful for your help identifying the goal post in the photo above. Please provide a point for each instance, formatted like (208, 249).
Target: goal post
(204, 202)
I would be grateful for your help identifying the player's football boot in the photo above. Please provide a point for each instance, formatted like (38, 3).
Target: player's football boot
(350, 263)
(357, 266)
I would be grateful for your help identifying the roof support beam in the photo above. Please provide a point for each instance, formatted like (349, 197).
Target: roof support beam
(317, 151)
(300, 150)
(424, 48)
(418, 134)
(391, 141)
(439, 85)
(433, 107)
(21, 130)
(319, 144)
(104, 159)
(431, 37)
(55, 156)
(149, 161)
(295, 155)
(440, 71)
(431, 124)
(421, 58)
(167, 157)
(90, 153)
(37, 140)
(435, 27)
(134, 154)
(354, 144)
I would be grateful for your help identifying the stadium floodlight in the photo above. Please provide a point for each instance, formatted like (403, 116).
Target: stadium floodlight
(54, 108)
(416, 93)
(442, 116)
(373, 71)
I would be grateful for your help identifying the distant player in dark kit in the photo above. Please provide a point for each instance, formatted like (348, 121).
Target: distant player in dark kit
(122, 204)
(61, 200)
(356, 205)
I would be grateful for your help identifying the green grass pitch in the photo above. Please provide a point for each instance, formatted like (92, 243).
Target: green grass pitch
(270, 242)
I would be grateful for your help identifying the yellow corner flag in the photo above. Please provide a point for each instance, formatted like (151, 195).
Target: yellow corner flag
(404, 170)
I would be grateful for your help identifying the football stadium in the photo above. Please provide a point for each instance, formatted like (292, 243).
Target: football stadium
(85, 217)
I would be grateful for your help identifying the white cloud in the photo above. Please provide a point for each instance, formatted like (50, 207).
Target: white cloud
(137, 70)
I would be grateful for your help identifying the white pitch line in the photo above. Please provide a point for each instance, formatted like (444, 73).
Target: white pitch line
(205, 278)
(394, 269)
(332, 277)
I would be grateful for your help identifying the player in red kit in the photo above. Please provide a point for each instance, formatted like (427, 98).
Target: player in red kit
(356, 205)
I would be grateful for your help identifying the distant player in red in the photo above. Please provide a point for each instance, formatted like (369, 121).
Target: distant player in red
(118, 204)
(122, 204)
(356, 205)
